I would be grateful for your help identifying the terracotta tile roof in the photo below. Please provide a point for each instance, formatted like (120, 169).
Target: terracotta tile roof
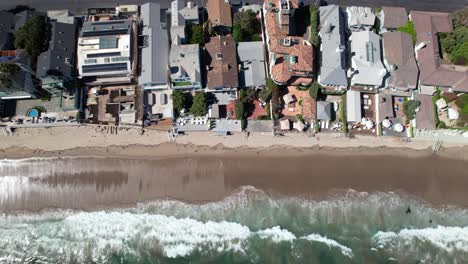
(432, 71)
(219, 12)
(394, 17)
(221, 57)
(294, 59)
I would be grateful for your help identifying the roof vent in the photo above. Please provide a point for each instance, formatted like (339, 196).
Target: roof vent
(393, 67)
(219, 56)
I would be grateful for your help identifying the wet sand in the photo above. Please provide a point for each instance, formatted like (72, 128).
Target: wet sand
(198, 174)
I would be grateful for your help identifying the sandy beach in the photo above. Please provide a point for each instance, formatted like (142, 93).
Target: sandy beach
(97, 141)
(133, 166)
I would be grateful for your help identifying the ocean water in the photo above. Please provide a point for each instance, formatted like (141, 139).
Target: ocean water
(248, 226)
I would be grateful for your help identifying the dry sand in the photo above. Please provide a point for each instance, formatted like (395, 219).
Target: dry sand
(94, 140)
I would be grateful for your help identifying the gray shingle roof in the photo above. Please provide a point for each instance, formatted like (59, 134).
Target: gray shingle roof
(332, 70)
(324, 110)
(155, 57)
(61, 53)
(252, 73)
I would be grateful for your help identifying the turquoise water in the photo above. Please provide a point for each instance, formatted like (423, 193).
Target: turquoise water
(247, 227)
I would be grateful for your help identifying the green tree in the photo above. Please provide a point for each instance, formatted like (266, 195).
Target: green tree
(196, 34)
(5, 81)
(246, 26)
(237, 33)
(409, 108)
(459, 53)
(178, 101)
(265, 94)
(199, 107)
(32, 36)
(7, 70)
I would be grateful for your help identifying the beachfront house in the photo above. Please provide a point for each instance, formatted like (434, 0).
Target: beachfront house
(391, 18)
(291, 57)
(400, 62)
(360, 18)
(154, 78)
(433, 71)
(251, 64)
(106, 51)
(220, 15)
(366, 64)
(181, 16)
(58, 61)
(184, 59)
(221, 63)
(332, 47)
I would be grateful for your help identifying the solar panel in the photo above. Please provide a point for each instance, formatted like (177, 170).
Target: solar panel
(105, 54)
(104, 32)
(105, 67)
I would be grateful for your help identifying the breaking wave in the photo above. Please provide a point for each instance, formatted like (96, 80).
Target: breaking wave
(249, 226)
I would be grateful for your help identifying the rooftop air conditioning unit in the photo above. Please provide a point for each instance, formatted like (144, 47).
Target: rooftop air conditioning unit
(287, 42)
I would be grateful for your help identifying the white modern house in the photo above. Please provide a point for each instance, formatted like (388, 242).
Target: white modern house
(105, 51)
(367, 68)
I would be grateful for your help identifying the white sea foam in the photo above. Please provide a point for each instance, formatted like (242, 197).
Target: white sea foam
(449, 240)
(276, 234)
(330, 242)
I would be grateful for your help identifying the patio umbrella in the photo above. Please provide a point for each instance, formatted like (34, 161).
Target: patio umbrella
(285, 125)
(369, 124)
(398, 127)
(453, 114)
(299, 126)
(386, 123)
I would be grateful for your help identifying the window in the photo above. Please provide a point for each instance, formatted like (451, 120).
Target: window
(90, 61)
(115, 59)
(108, 43)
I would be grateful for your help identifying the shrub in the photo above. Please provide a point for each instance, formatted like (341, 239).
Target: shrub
(316, 126)
(409, 108)
(409, 28)
(299, 117)
(263, 117)
(243, 123)
(314, 38)
(342, 114)
(441, 125)
(199, 107)
(239, 108)
(462, 101)
(265, 94)
(314, 90)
